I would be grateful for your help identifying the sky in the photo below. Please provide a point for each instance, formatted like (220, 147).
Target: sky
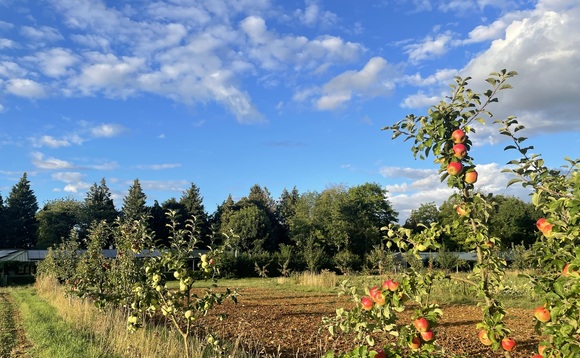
(226, 94)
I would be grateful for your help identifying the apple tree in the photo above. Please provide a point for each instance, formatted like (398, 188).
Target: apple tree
(444, 134)
(556, 253)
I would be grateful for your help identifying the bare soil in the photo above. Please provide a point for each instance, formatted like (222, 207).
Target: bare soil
(288, 324)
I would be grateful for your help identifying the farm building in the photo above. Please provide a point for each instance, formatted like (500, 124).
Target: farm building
(20, 265)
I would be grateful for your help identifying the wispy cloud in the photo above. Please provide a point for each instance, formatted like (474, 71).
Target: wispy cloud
(159, 166)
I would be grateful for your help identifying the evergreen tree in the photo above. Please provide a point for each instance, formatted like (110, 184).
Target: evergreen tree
(286, 207)
(192, 202)
(220, 216)
(21, 208)
(262, 199)
(99, 205)
(135, 203)
(56, 220)
(3, 228)
(157, 223)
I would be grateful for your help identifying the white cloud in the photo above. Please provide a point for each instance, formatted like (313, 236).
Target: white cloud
(420, 100)
(165, 185)
(544, 48)
(409, 173)
(74, 181)
(51, 163)
(371, 81)
(56, 62)
(41, 34)
(159, 166)
(107, 130)
(429, 48)
(6, 43)
(425, 186)
(105, 166)
(25, 88)
(49, 141)
(314, 15)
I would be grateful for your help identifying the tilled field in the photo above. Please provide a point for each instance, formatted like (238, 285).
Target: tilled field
(287, 324)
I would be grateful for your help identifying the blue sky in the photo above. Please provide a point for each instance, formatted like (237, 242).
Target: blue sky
(227, 94)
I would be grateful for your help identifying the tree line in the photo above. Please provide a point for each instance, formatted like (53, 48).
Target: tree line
(339, 227)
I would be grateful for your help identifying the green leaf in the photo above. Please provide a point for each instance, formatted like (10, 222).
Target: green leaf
(513, 181)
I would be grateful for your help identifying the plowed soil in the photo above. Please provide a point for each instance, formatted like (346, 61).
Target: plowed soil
(287, 324)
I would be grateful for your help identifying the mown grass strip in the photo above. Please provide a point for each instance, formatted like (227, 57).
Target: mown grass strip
(7, 325)
(49, 334)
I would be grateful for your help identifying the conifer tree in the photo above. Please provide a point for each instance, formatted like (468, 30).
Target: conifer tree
(2, 224)
(135, 203)
(20, 213)
(192, 202)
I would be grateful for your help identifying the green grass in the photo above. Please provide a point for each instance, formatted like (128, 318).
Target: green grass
(7, 325)
(49, 334)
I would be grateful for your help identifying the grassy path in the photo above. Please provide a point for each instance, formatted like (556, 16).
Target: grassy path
(7, 325)
(48, 333)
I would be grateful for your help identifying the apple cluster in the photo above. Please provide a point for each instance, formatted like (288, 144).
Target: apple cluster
(455, 166)
(425, 333)
(378, 294)
(507, 343)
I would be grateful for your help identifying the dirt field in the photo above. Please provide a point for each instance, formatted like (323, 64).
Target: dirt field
(273, 322)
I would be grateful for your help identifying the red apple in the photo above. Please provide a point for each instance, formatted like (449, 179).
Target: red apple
(391, 285)
(421, 324)
(379, 299)
(380, 353)
(484, 338)
(459, 150)
(427, 336)
(542, 314)
(566, 272)
(508, 344)
(454, 168)
(458, 136)
(537, 356)
(374, 291)
(544, 226)
(461, 210)
(471, 176)
(415, 343)
(366, 303)
(542, 348)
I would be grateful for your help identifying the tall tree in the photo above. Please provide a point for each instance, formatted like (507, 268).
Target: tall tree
(285, 210)
(261, 198)
(329, 220)
(251, 227)
(221, 214)
(3, 228)
(453, 240)
(192, 203)
(366, 209)
(56, 219)
(157, 221)
(135, 203)
(513, 221)
(21, 208)
(99, 205)
(424, 215)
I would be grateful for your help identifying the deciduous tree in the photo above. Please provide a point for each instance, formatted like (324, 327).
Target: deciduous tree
(56, 219)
